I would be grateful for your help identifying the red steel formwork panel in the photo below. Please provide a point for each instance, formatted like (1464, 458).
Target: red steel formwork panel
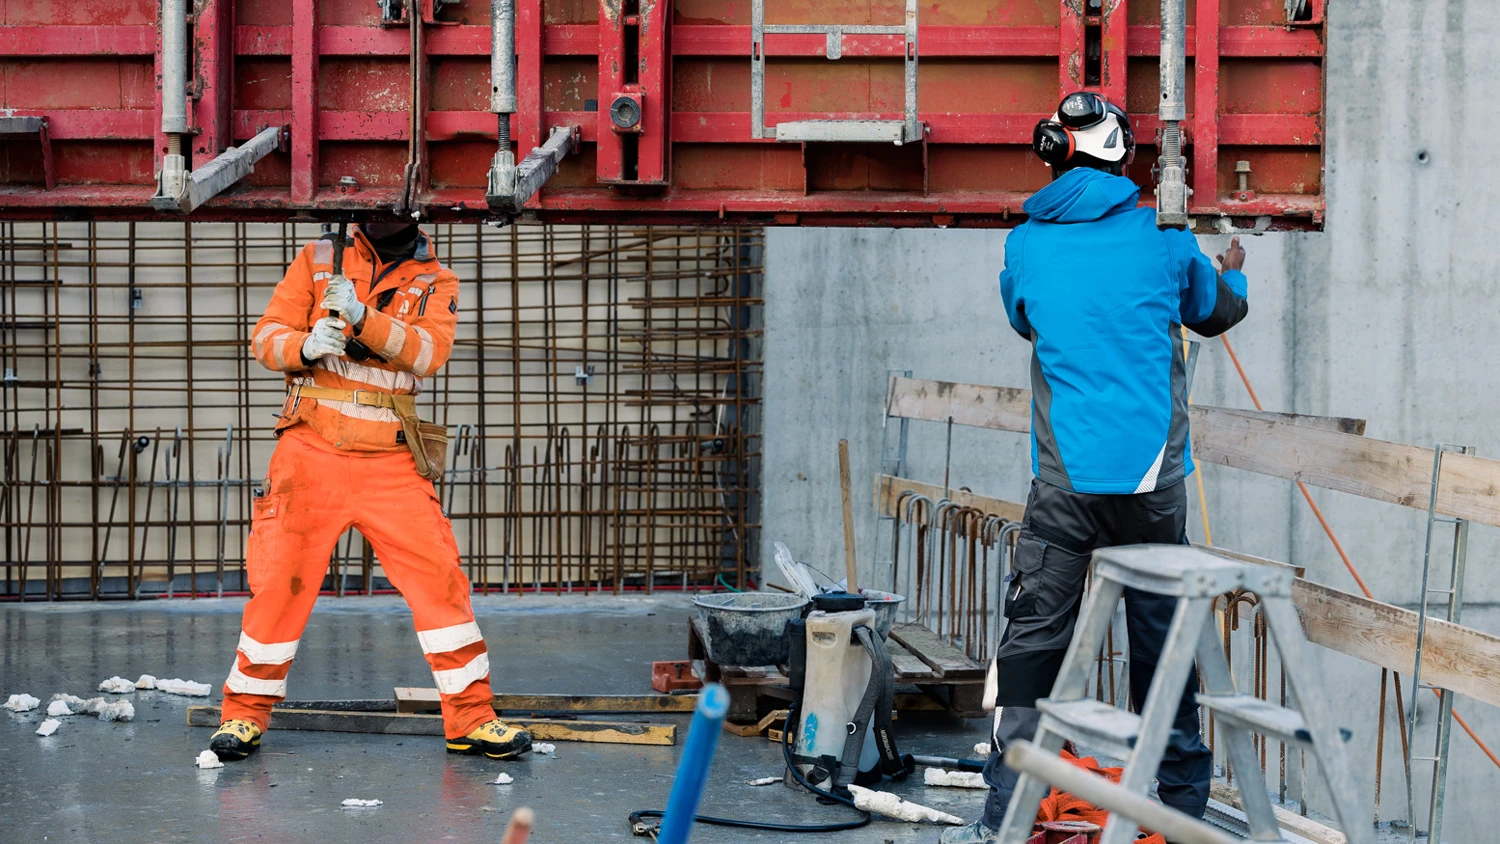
(371, 128)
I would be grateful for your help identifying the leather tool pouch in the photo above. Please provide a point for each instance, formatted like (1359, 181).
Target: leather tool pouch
(428, 441)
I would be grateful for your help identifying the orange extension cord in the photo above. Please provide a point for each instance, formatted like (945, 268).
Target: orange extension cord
(1337, 546)
(1062, 806)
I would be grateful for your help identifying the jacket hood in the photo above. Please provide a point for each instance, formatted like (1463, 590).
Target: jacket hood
(1081, 195)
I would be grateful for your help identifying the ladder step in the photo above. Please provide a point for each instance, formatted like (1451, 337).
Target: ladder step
(1259, 716)
(1093, 723)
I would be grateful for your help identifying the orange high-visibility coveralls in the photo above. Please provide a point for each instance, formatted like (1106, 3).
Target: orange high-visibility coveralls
(343, 463)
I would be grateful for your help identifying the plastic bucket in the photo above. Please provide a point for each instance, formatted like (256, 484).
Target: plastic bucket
(748, 628)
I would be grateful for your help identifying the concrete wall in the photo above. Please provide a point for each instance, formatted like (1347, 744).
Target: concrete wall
(1389, 315)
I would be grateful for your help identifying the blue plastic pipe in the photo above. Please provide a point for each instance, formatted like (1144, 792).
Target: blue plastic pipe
(692, 771)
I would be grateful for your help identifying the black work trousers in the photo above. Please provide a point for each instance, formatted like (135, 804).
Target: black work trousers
(1058, 535)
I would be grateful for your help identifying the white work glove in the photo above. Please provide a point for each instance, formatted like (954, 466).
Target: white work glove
(339, 297)
(327, 338)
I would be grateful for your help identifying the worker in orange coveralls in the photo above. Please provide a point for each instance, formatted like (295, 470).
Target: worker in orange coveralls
(355, 347)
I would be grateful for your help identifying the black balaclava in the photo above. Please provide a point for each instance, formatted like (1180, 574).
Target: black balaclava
(392, 241)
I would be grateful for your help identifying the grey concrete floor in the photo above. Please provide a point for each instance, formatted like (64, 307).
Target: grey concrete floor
(135, 782)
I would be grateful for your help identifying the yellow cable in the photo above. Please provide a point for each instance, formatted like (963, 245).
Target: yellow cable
(1208, 536)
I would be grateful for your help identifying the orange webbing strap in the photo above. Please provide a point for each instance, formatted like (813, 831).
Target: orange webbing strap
(1061, 806)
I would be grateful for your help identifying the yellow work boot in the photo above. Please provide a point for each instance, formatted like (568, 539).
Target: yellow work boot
(234, 740)
(494, 739)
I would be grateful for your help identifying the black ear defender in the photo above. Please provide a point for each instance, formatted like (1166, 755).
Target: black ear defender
(1052, 142)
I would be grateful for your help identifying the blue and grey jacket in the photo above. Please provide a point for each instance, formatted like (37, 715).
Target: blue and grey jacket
(1101, 294)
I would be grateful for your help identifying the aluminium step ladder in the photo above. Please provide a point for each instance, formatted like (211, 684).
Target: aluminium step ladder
(1195, 577)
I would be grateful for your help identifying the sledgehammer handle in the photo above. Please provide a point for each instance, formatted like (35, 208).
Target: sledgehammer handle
(852, 588)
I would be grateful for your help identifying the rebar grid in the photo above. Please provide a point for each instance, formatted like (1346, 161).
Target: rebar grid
(603, 397)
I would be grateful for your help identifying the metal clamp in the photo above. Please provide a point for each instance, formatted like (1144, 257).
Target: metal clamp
(857, 130)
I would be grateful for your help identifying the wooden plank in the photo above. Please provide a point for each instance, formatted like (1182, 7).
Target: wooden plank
(415, 699)
(888, 491)
(1009, 408)
(1453, 656)
(402, 724)
(747, 730)
(907, 666)
(1289, 821)
(1315, 450)
(1249, 558)
(948, 661)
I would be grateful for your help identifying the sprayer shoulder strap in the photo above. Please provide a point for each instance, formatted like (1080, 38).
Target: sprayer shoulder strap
(878, 699)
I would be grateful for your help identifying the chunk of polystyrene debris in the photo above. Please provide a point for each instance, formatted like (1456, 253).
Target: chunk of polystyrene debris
(48, 727)
(59, 708)
(764, 781)
(503, 779)
(982, 749)
(117, 685)
(74, 703)
(889, 805)
(209, 759)
(543, 747)
(146, 681)
(21, 703)
(354, 802)
(183, 687)
(118, 710)
(953, 779)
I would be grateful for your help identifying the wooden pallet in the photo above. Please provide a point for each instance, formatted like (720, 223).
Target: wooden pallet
(930, 675)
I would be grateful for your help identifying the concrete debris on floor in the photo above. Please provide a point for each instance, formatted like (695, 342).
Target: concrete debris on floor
(182, 687)
(21, 703)
(953, 779)
(117, 686)
(503, 779)
(763, 781)
(982, 750)
(888, 805)
(70, 704)
(356, 803)
(119, 710)
(48, 727)
(361, 649)
(543, 747)
(59, 708)
(208, 759)
(145, 681)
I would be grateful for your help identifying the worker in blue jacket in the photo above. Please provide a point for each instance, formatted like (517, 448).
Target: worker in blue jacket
(1101, 294)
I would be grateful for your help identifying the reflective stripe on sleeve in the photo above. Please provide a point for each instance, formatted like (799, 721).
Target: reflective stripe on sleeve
(424, 353)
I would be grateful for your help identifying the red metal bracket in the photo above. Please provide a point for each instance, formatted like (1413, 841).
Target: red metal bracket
(634, 96)
(17, 126)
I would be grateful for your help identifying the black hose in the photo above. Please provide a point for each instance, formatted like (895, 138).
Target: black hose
(786, 755)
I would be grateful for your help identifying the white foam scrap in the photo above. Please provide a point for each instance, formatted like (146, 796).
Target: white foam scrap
(117, 685)
(48, 727)
(982, 749)
(59, 708)
(21, 703)
(953, 779)
(146, 681)
(119, 710)
(503, 779)
(355, 801)
(74, 703)
(209, 759)
(764, 781)
(889, 805)
(543, 747)
(183, 687)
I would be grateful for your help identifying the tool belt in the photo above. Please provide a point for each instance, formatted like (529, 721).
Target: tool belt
(428, 441)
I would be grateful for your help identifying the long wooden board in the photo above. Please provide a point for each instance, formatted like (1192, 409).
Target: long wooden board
(1315, 450)
(1289, 821)
(1453, 656)
(416, 699)
(888, 492)
(403, 724)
